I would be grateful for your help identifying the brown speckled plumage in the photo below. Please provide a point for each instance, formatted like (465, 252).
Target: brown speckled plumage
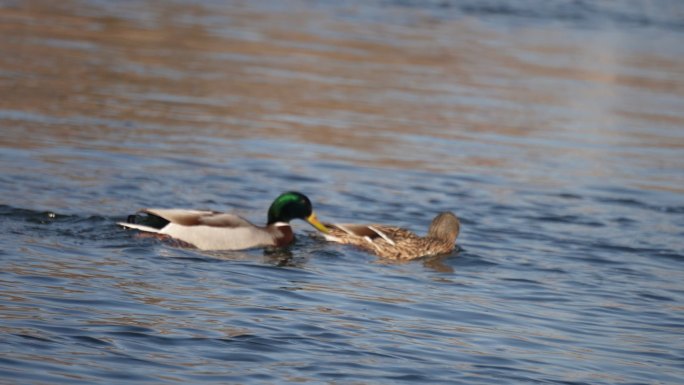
(397, 243)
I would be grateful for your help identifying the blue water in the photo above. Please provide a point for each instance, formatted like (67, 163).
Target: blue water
(552, 129)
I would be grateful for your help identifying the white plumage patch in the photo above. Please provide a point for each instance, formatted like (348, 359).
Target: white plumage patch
(139, 227)
(219, 238)
(332, 238)
(385, 237)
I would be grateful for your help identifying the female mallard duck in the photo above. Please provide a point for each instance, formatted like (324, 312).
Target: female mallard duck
(210, 230)
(397, 243)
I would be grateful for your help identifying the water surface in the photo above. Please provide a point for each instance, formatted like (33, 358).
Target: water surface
(554, 131)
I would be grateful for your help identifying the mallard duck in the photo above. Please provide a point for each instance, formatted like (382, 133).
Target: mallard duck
(211, 230)
(397, 243)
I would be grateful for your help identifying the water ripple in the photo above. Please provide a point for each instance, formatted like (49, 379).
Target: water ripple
(551, 129)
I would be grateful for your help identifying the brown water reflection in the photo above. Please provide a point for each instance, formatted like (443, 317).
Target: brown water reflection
(426, 94)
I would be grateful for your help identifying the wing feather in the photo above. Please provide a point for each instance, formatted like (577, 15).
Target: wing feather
(355, 229)
(368, 232)
(199, 218)
(225, 220)
(382, 234)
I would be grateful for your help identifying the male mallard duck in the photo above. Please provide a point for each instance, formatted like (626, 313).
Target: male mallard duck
(397, 243)
(210, 230)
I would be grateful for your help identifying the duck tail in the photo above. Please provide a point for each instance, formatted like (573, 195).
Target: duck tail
(147, 222)
(131, 225)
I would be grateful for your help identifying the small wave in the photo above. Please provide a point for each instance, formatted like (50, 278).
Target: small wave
(662, 14)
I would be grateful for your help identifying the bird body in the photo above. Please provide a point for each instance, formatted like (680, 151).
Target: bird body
(397, 243)
(211, 230)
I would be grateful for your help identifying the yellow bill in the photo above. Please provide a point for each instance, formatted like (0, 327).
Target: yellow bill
(315, 223)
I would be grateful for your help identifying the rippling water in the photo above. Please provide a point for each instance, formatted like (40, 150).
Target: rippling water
(553, 129)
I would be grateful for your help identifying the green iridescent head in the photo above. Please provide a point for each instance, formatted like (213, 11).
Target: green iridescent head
(293, 205)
